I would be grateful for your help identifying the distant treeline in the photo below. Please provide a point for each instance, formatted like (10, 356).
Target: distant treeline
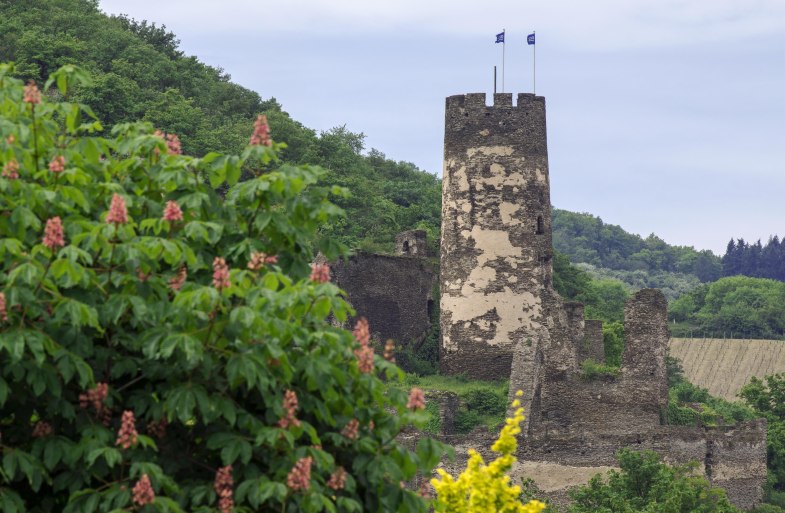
(756, 260)
(586, 238)
(731, 307)
(140, 74)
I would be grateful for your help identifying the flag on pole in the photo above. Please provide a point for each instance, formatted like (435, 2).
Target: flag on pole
(500, 37)
(529, 39)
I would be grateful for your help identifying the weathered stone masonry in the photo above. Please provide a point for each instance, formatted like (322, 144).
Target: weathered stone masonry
(496, 231)
(393, 292)
(500, 317)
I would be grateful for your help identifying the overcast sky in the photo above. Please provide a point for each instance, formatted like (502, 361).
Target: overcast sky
(664, 116)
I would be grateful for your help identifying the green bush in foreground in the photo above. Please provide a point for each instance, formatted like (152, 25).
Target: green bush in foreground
(646, 485)
(164, 349)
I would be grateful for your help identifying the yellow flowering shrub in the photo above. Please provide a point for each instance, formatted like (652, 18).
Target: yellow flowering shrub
(485, 488)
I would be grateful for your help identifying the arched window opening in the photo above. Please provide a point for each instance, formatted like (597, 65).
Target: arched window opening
(540, 226)
(406, 246)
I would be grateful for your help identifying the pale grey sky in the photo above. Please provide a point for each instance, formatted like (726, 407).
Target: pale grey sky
(664, 116)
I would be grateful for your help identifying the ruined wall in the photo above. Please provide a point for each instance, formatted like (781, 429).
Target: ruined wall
(496, 231)
(393, 293)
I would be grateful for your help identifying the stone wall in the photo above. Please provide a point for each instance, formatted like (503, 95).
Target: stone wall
(393, 292)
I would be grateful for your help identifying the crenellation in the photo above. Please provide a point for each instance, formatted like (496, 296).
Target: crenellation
(502, 100)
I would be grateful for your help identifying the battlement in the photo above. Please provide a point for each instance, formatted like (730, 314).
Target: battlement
(477, 101)
(470, 123)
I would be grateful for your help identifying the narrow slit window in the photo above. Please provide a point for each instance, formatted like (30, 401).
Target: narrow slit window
(540, 226)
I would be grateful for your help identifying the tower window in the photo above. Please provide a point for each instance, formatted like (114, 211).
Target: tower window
(540, 226)
(406, 246)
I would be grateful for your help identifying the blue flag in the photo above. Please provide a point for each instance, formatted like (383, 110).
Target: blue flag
(500, 37)
(530, 39)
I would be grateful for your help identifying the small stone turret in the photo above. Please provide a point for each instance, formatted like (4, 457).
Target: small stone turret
(412, 243)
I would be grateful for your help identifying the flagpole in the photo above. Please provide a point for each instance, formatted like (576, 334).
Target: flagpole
(534, 65)
(504, 43)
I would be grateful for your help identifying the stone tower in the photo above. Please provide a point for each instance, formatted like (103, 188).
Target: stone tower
(496, 250)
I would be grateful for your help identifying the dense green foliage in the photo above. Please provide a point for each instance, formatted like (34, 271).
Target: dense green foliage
(481, 403)
(767, 398)
(603, 299)
(689, 405)
(733, 307)
(586, 238)
(755, 260)
(134, 295)
(593, 371)
(139, 74)
(646, 485)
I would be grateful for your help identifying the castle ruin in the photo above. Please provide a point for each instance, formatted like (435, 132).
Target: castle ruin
(501, 317)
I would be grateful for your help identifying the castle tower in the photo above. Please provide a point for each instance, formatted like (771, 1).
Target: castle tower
(496, 248)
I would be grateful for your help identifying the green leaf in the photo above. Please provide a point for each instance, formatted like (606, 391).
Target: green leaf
(75, 313)
(111, 455)
(73, 272)
(28, 273)
(321, 307)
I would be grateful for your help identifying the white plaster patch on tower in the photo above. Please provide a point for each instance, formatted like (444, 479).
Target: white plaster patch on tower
(479, 279)
(514, 311)
(500, 151)
(499, 179)
(540, 176)
(507, 211)
(493, 244)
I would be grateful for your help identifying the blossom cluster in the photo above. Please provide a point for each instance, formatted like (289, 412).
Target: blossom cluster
(94, 396)
(337, 479)
(57, 165)
(320, 273)
(389, 350)
(351, 429)
(157, 429)
(173, 145)
(11, 170)
(177, 281)
(31, 93)
(261, 132)
(290, 410)
(416, 399)
(42, 429)
(143, 493)
(118, 212)
(127, 436)
(299, 478)
(172, 212)
(220, 274)
(3, 308)
(259, 260)
(53, 233)
(223, 487)
(364, 354)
